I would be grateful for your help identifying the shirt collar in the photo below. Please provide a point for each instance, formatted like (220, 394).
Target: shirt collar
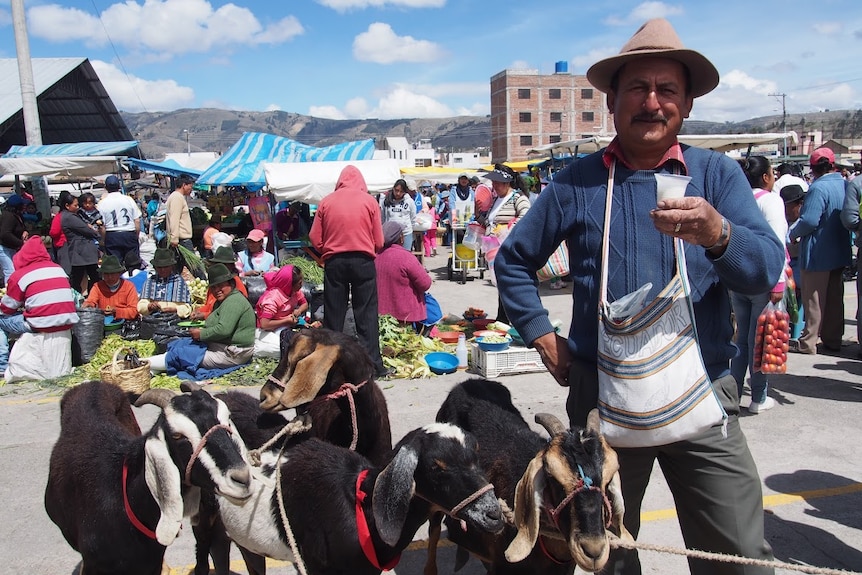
(615, 151)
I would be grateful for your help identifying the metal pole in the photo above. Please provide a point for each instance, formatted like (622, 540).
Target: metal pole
(783, 120)
(32, 128)
(188, 144)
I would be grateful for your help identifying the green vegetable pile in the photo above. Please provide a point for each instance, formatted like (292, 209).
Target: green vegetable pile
(311, 272)
(199, 216)
(404, 350)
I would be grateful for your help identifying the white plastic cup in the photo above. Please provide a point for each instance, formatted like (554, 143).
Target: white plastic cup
(670, 186)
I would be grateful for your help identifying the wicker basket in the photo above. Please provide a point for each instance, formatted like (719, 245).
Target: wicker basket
(135, 380)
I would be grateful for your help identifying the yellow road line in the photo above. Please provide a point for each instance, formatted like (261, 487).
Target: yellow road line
(769, 501)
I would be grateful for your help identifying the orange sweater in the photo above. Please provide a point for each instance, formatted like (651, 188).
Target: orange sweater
(207, 308)
(124, 300)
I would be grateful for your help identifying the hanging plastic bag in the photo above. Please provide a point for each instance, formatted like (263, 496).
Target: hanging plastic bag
(771, 338)
(87, 334)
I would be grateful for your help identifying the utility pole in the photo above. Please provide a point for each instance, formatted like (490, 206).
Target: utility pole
(783, 119)
(188, 144)
(29, 107)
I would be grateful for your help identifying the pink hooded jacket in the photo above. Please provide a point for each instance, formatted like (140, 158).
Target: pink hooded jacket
(278, 301)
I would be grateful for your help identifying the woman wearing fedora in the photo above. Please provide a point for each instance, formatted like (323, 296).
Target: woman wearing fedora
(658, 374)
(226, 340)
(223, 255)
(112, 294)
(165, 290)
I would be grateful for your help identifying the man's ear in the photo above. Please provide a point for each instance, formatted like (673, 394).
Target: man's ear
(611, 98)
(689, 104)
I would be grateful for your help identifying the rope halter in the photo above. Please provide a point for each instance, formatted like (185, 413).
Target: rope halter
(200, 447)
(458, 508)
(348, 390)
(585, 483)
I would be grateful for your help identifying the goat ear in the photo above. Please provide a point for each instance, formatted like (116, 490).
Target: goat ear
(393, 492)
(309, 375)
(618, 508)
(594, 421)
(163, 479)
(528, 497)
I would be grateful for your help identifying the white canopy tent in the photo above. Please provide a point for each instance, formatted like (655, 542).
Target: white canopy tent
(83, 166)
(310, 182)
(717, 142)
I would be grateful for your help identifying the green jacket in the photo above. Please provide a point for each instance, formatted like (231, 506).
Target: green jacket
(232, 321)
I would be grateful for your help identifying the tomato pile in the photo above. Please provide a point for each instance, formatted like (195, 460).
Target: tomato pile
(771, 341)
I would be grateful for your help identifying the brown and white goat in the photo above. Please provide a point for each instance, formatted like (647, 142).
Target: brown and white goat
(351, 516)
(119, 497)
(564, 492)
(330, 376)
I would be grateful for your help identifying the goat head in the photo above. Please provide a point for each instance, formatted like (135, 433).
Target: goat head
(576, 477)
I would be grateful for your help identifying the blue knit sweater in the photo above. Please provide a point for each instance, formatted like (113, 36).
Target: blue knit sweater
(572, 209)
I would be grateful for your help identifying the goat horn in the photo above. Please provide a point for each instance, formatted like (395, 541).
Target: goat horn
(551, 423)
(160, 397)
(189, 386)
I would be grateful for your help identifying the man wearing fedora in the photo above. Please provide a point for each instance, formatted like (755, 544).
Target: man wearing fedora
(651, 85)
(112, 294)
(165, 290)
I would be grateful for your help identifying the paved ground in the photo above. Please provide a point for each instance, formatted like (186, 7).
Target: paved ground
(807, 448)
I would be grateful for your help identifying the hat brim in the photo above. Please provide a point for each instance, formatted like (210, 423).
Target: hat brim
(498, 177)
(704, 76)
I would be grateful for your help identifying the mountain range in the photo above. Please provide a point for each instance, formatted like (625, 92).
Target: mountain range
(215, 130)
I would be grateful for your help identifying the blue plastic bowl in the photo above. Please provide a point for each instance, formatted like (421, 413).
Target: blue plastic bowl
(441, 362)
(112, 323)
(487, 346)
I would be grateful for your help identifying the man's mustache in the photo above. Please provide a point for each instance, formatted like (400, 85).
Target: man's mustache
(650, 118)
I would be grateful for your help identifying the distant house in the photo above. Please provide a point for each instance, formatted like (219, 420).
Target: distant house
(73, 104)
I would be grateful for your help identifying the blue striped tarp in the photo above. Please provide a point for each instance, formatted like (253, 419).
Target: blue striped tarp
(79, 149)
(242, 164)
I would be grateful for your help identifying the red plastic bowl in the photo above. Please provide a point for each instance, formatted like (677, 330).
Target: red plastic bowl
(482, 323)
(448, 336)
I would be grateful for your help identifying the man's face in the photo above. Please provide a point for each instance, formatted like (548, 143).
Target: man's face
(649, 105)
(164, 272)
(187, 188)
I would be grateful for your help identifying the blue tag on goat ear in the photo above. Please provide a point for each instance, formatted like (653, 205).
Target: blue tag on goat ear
(587, 480)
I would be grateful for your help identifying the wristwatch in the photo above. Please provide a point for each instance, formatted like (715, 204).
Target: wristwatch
(723, 237)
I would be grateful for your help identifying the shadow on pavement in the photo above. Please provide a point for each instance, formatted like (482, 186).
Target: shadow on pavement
(818, 387)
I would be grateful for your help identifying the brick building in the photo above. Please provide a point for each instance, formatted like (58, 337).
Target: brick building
(530, 109)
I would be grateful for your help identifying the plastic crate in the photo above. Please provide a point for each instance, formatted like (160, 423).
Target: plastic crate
(507, 362)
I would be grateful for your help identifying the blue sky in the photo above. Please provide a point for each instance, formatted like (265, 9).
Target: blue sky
(433, 58)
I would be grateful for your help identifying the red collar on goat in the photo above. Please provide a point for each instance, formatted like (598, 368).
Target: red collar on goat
(364, 532)
(129, 513)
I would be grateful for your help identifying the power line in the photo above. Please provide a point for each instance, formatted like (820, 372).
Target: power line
(117, 55)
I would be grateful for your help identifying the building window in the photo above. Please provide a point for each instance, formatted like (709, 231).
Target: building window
(586, 94)
(526, 140)
(523, 93)
(525, 117)
(556, 117)
(555, 94)
(422, 163)
(587, 116)
(554, 139)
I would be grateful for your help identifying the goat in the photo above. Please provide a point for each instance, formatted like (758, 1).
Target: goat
(119, 497)
(316, 363)
(320, 363)
(558, 489)
(326, 490)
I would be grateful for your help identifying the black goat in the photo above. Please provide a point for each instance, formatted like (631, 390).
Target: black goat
(119, 497)
(328, 489)
(558, 489)
(317, 363)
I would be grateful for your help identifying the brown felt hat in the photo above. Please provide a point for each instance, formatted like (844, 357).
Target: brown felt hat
(656, 39)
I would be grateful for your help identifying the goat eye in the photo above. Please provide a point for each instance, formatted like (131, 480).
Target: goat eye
(178, 436)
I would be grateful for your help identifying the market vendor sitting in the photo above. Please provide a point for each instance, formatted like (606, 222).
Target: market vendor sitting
(223, 255)
(228, 334)
(165, 290)
(112, 294)
(283, 304)
(254, 260)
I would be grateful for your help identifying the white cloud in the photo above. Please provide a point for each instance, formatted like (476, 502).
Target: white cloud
(273, 108)
(380, 44)
(519, 65)
(346, 5)
(828, 28)
(739, 96)
(163, 27)
(645, 11)
(584, 61)
(835, 97)
(328, 112)
(443, 89)
(404, 103)
(133, 94)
